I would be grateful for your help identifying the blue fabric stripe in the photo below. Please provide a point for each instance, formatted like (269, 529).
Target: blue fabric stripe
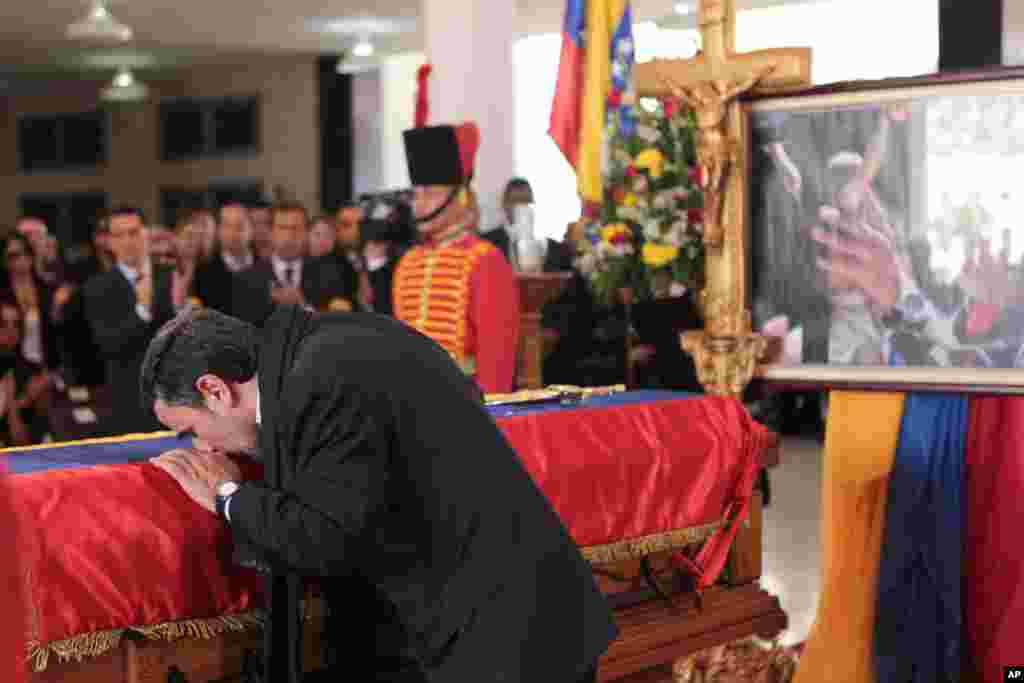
(919, 623)
(88, 455)
(575, 21)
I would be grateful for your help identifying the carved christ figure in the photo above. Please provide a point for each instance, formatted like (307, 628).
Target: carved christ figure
(716, 151)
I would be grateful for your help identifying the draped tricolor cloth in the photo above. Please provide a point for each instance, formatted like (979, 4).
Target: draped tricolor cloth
(594, 78)
(923, 569)
(112, 542)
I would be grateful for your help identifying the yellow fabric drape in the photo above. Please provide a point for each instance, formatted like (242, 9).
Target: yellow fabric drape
(603, 17)
(860, 447)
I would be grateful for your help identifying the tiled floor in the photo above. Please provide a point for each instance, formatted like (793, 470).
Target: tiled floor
(792, 534)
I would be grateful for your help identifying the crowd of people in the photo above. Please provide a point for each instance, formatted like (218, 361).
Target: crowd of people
(84, 325)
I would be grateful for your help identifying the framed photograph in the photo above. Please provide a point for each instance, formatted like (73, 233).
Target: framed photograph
(885, 233)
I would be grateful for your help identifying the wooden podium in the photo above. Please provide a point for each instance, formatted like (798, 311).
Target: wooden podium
(535, 290)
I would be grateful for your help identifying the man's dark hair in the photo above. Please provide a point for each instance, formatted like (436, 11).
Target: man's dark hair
(258, 204)
(229, 204)
(288, 207)
(518, 183)
(127, 211)
(195, 343)
(29, 217)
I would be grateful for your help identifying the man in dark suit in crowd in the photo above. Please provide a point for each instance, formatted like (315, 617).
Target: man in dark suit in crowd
(216, 278)
(125, 307)
(289, 276)
(386, 478)
(557, 256)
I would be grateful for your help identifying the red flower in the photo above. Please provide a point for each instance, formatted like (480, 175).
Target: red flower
(618, 194)
(614, 99)
(591, 209)
(631, 171)
(670, 106)
(619, 238)
(694, 216)
(695, 174)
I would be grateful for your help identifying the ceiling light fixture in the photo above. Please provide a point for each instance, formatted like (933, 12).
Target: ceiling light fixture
(99, 24)
(124, 88)
(363, 48)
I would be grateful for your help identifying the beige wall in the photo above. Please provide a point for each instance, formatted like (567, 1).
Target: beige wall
(289, 153)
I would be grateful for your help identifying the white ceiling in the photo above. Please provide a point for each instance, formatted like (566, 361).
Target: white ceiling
(175, 32)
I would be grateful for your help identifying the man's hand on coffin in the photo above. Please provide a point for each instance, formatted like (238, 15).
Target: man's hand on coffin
(199, 472)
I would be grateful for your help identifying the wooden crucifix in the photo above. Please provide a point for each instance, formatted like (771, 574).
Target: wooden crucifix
(725, 353)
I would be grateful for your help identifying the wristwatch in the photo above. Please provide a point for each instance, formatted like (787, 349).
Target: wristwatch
(222, 496)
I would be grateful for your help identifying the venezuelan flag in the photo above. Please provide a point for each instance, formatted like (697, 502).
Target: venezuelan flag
(594, 78)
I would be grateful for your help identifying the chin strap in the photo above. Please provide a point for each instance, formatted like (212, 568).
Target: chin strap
(447, 202)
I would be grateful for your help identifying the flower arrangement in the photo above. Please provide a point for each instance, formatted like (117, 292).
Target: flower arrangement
(645, 236)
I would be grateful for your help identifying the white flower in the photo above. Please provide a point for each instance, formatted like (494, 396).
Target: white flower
(605, 251)
(622, 157)
(587, 263)
(676, 236)
(663, 200)
(630, 213)
(640, 184)
(652, 230)
(647, 133)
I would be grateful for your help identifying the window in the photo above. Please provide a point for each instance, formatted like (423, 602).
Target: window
(60, 142)
(71, 217)
(209, 127)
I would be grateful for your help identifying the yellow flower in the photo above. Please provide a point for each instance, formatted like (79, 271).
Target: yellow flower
(611, 233)
(652, 160)
(659, 255)
(629, 200)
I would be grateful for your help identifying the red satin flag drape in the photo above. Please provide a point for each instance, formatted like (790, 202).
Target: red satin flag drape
(994, 543)
(113, 546)
(12, 623)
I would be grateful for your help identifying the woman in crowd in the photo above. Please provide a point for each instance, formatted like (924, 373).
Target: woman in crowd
(20, 391)
(38, 345)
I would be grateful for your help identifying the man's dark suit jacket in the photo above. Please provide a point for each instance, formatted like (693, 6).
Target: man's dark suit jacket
(123, 337)
(324, 279)
(215, 285)
(382, 463)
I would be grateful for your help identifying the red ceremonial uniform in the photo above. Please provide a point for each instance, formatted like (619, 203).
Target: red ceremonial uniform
(462, 293)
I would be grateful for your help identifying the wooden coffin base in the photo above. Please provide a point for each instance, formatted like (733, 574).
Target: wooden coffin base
(653, 631)
(653, 634)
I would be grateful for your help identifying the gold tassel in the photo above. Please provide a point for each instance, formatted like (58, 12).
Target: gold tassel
(621, 551)
(90, 645)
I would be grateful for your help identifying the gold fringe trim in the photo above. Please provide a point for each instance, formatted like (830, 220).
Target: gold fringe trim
(90, 645)
(635, 548)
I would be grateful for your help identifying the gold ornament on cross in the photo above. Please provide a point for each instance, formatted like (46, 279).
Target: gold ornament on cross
(710, 85)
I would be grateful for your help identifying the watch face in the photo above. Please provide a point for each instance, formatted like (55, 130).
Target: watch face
(226, 489)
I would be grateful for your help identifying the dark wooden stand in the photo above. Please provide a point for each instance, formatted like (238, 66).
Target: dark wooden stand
(535, 290)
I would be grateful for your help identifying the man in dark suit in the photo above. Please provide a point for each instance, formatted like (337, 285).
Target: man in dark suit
(557, 256)
(289, 276)
(216, 278)
(124, 308)
(386, 477)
